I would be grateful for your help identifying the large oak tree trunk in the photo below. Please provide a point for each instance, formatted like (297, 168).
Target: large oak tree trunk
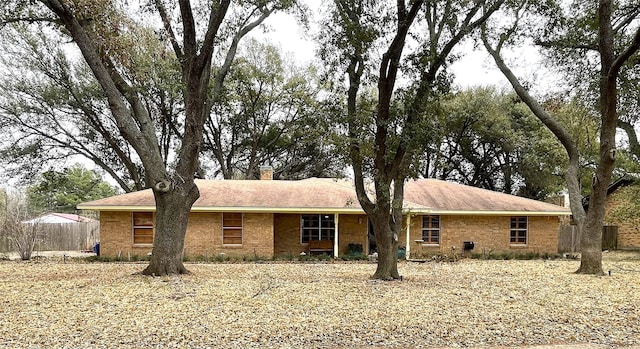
(172, 216)
(610, 65)
(591, 250)
(591, 237)
(387, 244)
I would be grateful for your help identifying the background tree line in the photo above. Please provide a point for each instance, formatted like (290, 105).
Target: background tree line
(273, 112)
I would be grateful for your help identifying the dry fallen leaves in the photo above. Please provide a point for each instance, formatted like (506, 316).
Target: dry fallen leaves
(48, 304)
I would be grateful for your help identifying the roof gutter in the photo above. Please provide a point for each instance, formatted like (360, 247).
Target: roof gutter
(501, 213)
(343, 210)
(147, 208)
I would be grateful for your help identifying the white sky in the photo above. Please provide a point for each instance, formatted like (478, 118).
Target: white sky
(475, 68)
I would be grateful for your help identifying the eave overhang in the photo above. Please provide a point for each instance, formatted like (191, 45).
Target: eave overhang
(500, 213)
(339, 210)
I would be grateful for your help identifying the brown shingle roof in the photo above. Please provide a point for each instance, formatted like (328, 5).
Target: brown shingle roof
(324, 194)
(447, 196)
(310, 194)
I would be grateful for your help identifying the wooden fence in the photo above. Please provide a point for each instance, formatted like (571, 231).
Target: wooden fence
(62, 237)
(569, 241)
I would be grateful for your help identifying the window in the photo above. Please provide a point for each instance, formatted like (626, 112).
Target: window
(232, 228)
(519, 228)
(142, 228)
(431, 229)
(317, 227)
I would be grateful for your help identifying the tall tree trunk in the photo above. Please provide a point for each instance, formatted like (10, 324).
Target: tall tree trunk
(387, 268)
(572, 174)
(172, 215)
(572, 177)
(591, 239)
(591, 248)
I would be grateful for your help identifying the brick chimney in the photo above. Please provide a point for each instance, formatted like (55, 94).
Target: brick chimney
(266, 173)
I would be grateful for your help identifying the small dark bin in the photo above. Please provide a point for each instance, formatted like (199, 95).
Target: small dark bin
(402, 253)
(468, 245)
(96, 249)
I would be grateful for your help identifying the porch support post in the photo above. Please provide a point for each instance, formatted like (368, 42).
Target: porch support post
(407, 248)
(335, 235)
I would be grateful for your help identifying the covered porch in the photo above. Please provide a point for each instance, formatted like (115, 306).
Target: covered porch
(331, 233)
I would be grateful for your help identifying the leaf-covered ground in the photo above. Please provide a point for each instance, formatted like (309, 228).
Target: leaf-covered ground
(48, 304)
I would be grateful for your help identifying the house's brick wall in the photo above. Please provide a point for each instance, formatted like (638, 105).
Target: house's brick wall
(489, 234)
(543, 234)
(259, 234)
(628, 235)
(116, 235)
(352, 229)
(267, 235)
(203, 238)
(628, 230)
(204, 235)
(286, 231)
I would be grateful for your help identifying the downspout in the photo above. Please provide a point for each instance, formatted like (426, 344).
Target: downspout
(407, 248)
(335, 235)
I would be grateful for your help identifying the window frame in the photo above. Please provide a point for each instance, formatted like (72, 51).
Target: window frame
(325, 229)
(430, 229)
(135, 227)
(516, 232)
(233, 228)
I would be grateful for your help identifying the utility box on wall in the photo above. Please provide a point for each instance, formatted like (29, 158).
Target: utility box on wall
(468, 245)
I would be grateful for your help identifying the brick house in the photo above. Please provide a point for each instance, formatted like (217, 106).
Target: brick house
(271, 218)
(621, 211)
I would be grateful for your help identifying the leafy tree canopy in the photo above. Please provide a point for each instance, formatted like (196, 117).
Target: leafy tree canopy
(270, 114)
(491, 140)
(61, 191)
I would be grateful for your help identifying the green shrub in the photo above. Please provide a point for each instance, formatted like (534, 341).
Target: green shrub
(221, 258)
(445, 258)
(253, 258)
(513, 255)
(324, 257)
(101, 259)
(354, 257)
(314, 258)
(355, 249)
(196, 258)
(528, 255)
(507, 256)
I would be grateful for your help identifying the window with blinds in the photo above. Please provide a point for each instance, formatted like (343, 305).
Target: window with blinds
(232, 228)
(142, 228)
